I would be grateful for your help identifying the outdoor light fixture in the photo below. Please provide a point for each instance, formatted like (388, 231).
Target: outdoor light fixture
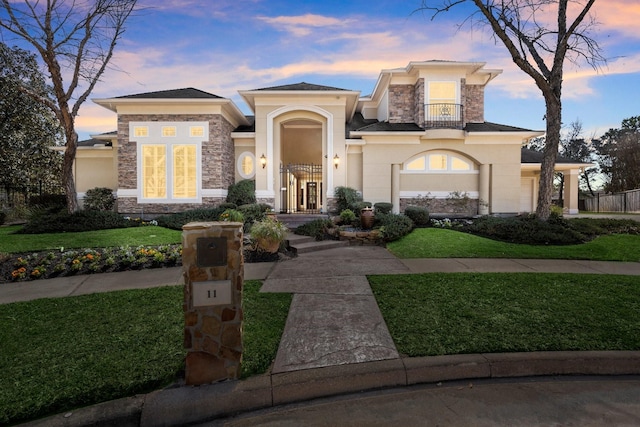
(263, 161)
(336, 161)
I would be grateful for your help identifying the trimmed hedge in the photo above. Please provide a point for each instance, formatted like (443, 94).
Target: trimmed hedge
(383, 207)
(418, 214)
(99, 199)
(177, 220)
(394, 226)
(78, 221)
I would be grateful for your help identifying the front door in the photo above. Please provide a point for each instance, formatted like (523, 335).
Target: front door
(301, 189)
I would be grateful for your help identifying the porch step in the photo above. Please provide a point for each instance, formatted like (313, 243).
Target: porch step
(293, 221)
(306, 244)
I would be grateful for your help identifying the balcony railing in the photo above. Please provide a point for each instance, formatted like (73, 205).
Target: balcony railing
(448, 116)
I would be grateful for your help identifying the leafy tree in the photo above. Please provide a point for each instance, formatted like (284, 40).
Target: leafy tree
(75, 41)
(27, 128)
(539, 49)
(619, 156)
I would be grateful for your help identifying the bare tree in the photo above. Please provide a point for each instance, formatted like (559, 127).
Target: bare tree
(539, 49)
(75, 40)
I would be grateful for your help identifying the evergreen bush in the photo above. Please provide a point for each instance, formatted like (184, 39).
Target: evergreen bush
(178, 220)
(418, 214)
(242, 192)
(383, 207)
(99, 199)
(346, 198)
(316, 228)
(394, 226)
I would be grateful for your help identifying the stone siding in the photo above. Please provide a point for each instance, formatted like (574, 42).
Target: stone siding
(474, 104)
(418, 101)
(130, 206)
(401, 103)
(218, 161)
(454, 207)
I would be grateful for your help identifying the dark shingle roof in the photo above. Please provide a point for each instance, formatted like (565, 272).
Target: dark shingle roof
(493, 127)
(251, 127)
(391, 127)
(530, 156)
(91, 142)
(302, 86)
(185, 93)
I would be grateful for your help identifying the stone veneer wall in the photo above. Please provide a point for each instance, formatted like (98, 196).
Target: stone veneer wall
(467, 207)
(474, 104)
(401, 103)
(419, 118)
(218, 162)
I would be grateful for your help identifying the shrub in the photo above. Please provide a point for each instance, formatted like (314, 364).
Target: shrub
(358, 206)
(232, 215)
(78, 221)
(383, 207)
(394, 226)
(178, 220)
(252, 213)
(346, 198)
(242, 192)
(3, 217)
(418, 214)
(268, 234)
(316, 228)
(99, 199)
(347, 216)
(226, 205)
(48, 202)
(527, 230)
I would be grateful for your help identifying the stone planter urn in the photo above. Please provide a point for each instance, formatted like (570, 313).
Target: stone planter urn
(366, 218)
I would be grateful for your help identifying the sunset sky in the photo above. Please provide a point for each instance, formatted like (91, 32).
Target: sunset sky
(222, 46)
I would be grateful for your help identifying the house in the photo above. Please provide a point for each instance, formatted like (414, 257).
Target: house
(419, 137)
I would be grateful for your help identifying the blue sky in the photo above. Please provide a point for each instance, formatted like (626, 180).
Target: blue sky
(223, 46)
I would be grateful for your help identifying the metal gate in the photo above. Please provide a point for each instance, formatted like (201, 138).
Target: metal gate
(301, 188)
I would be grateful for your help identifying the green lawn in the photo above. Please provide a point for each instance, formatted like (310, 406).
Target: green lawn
(443, 243)
(456, 313)
(133, 236)
(58, 354)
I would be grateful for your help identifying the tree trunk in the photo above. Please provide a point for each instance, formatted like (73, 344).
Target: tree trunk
(67, 170)
(550, 154)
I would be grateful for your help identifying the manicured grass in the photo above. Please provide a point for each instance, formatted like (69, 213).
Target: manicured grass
(264, 317)
(456, 313)
(133, 236)
(443, 243)
(58, 354)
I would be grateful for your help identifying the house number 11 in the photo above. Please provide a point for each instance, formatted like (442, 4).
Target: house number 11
(209, 294)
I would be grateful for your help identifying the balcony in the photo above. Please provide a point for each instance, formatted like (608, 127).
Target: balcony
(444, 116)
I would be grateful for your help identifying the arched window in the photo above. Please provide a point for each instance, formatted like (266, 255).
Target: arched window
(438, 162)
(246, 165)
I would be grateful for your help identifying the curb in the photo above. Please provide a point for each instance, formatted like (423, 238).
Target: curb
(185, 405)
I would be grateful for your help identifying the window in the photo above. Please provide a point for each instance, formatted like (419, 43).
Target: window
(140, 131)
(184, 172)
(246, 165)
(196, 131)
(154, 171)
(442, 93)
(169, 172)
(168, 131)
(438, 162)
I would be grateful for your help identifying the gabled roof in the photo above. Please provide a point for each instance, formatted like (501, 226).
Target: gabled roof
(302, 86)
(184, 93)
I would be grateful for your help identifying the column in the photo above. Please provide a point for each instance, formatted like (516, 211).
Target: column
(213, 270)
(571, 179)
(395, 187)
(483, 187)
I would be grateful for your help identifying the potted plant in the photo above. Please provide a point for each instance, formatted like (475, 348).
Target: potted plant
(268, 234)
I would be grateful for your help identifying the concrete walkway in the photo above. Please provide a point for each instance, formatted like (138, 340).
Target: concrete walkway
(335, 339)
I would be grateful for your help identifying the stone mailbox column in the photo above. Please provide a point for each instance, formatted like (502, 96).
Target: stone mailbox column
(213, 269)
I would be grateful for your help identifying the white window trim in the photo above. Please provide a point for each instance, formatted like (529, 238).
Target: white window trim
(169, 177)
(449, 170)
(239, 165)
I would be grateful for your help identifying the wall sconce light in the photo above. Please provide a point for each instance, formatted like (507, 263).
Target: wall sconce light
(336, 161)
(263, 161)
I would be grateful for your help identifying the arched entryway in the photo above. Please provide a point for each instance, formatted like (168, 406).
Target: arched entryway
(301, 166)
